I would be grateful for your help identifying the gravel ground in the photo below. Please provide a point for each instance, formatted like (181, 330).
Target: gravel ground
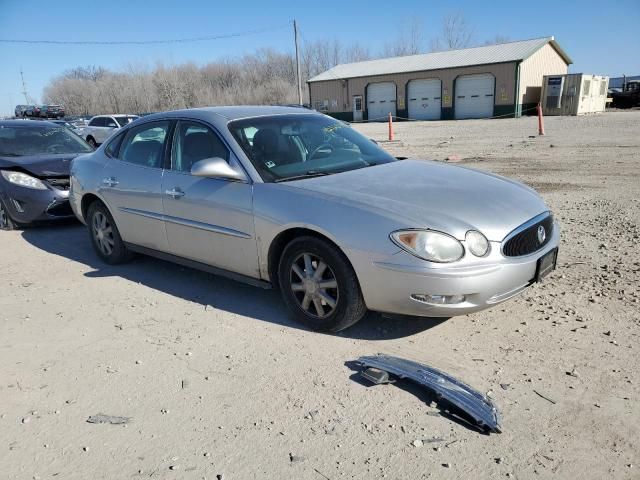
(217, 382)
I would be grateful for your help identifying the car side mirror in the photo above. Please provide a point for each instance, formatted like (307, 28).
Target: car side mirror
(216, 167)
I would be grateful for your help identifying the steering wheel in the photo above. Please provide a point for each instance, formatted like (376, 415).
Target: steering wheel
(318, 148)
(55, 146)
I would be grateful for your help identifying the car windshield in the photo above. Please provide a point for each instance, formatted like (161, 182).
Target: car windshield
(287, 147)
(124, 120)
(18, 141)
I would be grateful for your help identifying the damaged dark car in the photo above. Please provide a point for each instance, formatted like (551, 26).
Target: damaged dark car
(35, 158)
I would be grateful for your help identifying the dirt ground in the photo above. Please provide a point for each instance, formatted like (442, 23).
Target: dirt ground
(218, 383)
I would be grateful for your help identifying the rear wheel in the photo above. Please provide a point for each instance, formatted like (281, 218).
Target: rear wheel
(319, 286)
(105, 236)
(91, 141)
(6, 223)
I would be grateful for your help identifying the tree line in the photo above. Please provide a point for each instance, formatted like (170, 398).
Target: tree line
(266, 77)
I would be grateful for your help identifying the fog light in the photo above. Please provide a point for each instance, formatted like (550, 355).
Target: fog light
(17, 206)
(438, 299)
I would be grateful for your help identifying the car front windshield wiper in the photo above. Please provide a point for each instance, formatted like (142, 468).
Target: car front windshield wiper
(309, 174)
(2, 154)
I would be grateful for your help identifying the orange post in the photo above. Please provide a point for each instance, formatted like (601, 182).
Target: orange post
(540, 120)
(390, 127)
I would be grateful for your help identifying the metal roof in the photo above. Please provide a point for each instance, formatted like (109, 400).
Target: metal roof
(504, 52)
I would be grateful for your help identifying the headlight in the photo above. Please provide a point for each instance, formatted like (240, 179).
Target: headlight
(429, 245)
(477, 243)
(24, 180)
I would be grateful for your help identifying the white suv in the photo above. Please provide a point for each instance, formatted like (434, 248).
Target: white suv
(102, 127)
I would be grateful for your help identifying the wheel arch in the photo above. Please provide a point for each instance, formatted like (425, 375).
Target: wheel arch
(282, 239)
(87, 200)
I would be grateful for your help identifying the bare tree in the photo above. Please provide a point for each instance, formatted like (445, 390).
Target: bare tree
(356, 53)
(410, 40)
(497, 40)
(455, 34)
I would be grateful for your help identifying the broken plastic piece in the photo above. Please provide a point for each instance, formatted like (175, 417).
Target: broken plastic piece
(377, 376)
(480, 408)
(113, 420)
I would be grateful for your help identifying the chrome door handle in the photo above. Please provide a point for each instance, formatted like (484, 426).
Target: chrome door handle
(109, 182)
(175, 193)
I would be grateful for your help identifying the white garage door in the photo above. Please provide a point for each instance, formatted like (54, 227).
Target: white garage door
(424, 99)
(381, 100)
(474, 96)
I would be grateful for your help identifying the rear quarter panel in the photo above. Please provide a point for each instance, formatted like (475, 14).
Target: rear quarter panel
(86, 174)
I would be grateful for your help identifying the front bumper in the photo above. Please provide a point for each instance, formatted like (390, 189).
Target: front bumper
(388, 285)
(27, 205)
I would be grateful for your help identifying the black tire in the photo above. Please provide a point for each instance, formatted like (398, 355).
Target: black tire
(105, 236)
(91, 141)
(349, 306)
(6, 222)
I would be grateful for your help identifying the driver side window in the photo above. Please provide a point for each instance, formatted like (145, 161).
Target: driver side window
(192, 142)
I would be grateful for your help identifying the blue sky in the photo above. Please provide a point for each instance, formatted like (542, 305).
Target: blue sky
(601, 37)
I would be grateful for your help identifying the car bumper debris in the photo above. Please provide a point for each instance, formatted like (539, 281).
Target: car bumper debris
(473, 403)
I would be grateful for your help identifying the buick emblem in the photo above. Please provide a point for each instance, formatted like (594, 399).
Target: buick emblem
(542, 234)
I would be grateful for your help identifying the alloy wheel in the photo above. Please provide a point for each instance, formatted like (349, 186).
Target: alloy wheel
(4, 219)
(103, 233)
(314, 285)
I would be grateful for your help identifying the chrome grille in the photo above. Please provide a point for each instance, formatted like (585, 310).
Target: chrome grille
(526, 238)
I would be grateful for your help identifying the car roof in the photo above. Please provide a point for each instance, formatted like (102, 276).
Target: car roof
(232, 112)
(25, 123)
(116, 115)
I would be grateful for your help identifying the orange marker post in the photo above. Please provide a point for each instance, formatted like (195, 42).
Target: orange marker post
(540, 120)
(390, 127)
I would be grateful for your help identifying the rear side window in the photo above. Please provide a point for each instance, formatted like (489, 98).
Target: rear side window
(144, 144)
(97, 122)
(111, 150)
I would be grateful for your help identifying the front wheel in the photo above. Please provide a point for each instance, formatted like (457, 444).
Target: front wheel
(6, 223)
(105, 236)
(319, 285)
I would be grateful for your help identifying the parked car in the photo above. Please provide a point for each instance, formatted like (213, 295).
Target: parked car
(294, 199)
(51, 111)
(628, 96)
(34, 171)
(32, 111)
(20, 111)
(68, 125)
(102, 127)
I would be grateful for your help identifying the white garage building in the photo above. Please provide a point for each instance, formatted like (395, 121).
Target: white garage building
(480, 82)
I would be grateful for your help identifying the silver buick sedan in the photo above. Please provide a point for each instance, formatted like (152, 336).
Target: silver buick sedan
(288, 198)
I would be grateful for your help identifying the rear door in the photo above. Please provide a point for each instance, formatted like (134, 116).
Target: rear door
(132, 185)
(209, 220)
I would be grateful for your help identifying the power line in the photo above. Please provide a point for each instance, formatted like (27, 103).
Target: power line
(149, 42)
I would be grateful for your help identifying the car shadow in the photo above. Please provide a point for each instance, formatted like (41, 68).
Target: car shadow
(71, 241)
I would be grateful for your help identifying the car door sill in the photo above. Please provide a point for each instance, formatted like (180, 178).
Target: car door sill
(238, 277)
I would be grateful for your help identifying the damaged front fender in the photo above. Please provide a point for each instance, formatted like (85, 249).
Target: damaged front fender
(476, 405)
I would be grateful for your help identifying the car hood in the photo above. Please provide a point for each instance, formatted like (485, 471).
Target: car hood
(426, 194)
(54, 165)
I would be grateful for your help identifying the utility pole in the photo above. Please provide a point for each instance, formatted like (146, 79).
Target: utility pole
(24, 87)
(295, 37)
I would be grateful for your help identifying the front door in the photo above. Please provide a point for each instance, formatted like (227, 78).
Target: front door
(357, 108)
(209, 220)
(131, 185)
